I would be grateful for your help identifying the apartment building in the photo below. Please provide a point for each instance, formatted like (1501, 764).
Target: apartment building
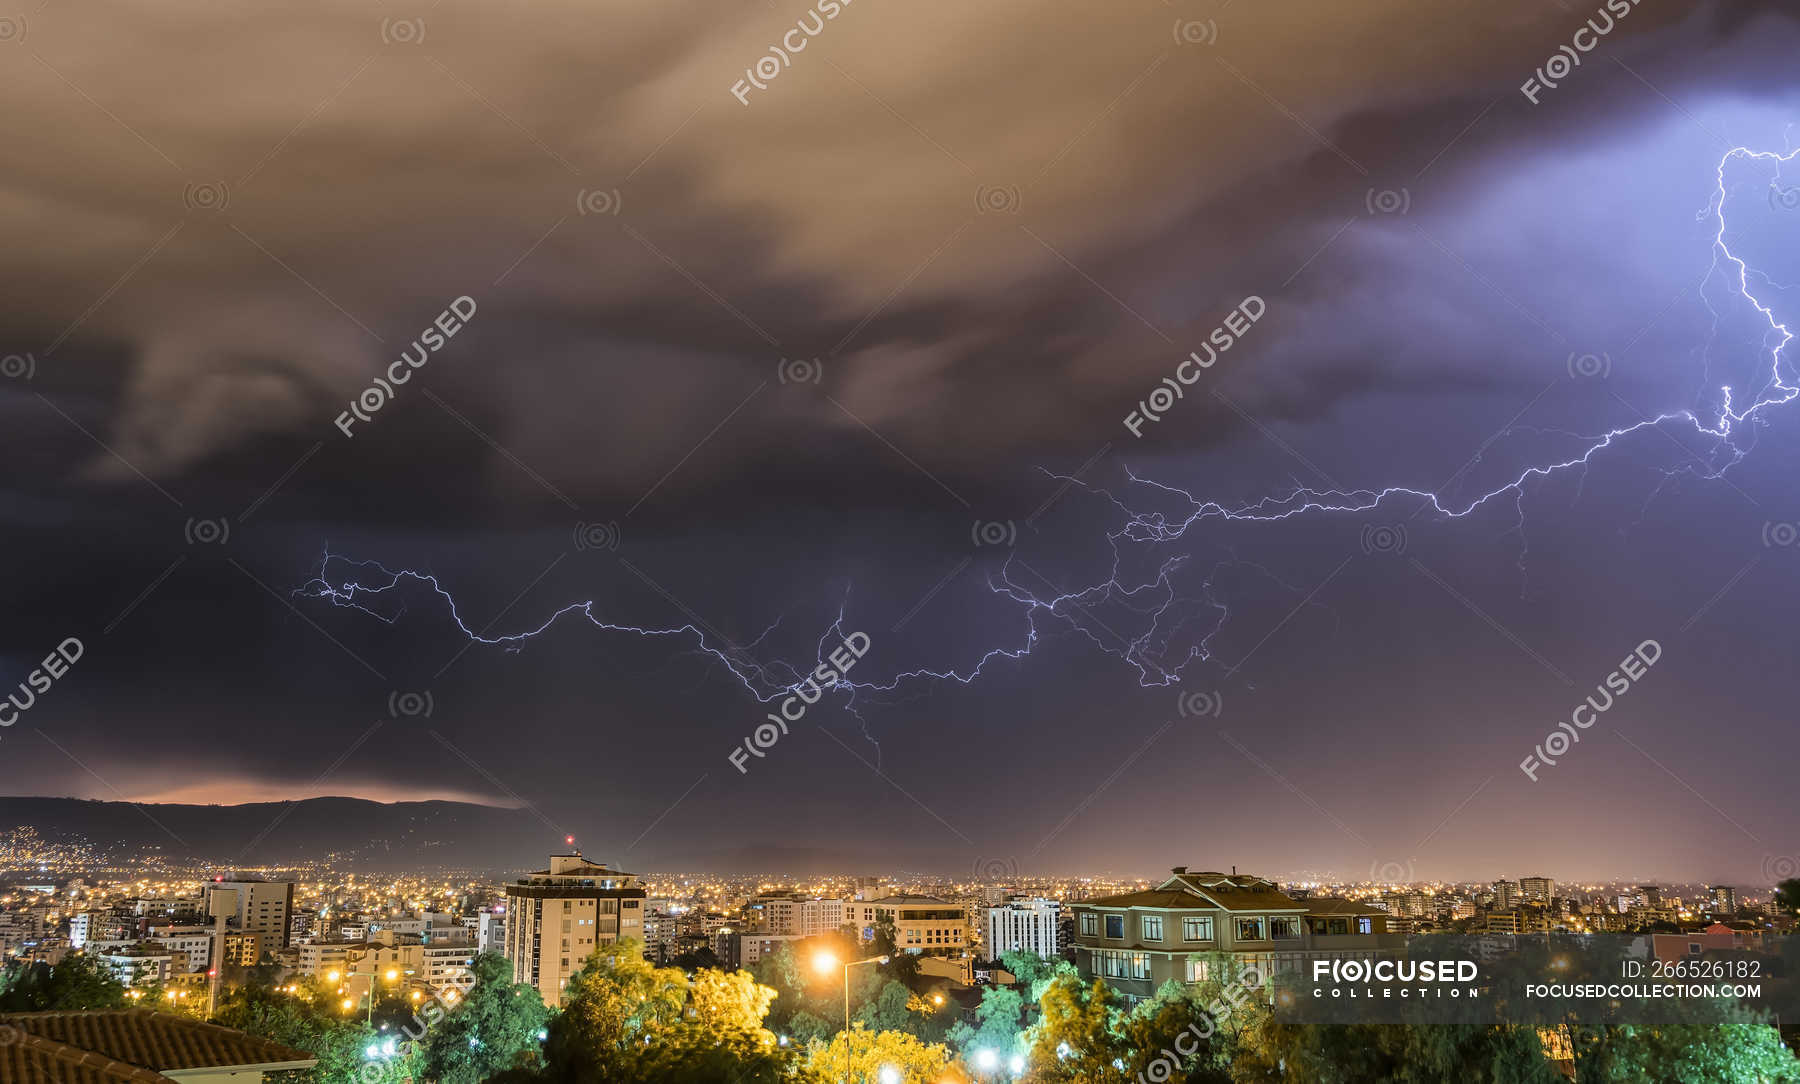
(558, 916)
(923, 925)
(1139, 940)
(1022, 924)
(254, 906)
(789, 914)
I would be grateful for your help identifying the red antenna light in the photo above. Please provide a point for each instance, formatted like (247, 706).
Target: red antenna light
(570, 840)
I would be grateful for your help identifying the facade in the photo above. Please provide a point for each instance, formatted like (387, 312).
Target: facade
(1139, 940)
(255, 906)
(1537, 889)
(557, 917)
(446, 965)
(490, 931)
(749, 949)
(1506, 895)
(1724, 899)
(785, 915)
(142, 964)
(923, 925)
(1022, 924)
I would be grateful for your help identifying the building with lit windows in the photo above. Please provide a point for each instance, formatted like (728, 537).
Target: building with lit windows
(1537, 889)
(923, 925)
(557, 917)
(1139, 940)
(254, 906)
(1022, 925)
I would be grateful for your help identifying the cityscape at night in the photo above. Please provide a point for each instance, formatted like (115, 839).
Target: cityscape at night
(1179, 542)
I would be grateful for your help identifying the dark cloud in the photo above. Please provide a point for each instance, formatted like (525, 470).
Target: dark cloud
(222, 228)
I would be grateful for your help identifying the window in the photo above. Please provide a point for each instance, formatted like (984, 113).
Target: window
(1090, 924)
(1197, 929)
(1115, 927)
(1283, 928)
(1197, 970)
(1338, 925)
(1122, 965)
(1249, 929)
(1152, 927)
(1365, 925)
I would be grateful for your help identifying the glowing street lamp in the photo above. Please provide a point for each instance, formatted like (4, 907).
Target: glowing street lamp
(825, 962)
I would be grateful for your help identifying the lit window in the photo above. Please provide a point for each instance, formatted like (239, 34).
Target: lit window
(1249, 929)
(1152, 927)
(1197, 929)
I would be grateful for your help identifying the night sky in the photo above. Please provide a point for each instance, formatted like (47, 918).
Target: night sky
(855, 352)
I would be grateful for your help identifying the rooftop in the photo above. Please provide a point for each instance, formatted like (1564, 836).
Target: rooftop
(130, 1044)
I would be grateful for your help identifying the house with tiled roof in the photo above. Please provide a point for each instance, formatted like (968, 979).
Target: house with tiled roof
(1136, 941)
(103, 1046)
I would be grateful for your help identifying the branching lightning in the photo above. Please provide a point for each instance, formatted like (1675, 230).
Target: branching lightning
(1153, 598)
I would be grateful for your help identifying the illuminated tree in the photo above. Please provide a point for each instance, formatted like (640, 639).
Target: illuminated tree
(863, 1054)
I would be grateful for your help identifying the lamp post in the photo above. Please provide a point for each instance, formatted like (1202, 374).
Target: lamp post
(825, 963)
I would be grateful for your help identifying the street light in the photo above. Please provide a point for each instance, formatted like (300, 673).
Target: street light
(825, 962)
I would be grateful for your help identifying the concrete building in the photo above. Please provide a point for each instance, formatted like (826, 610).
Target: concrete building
(922, 924)
(1022, 924)
(256, 906)
(1506, 895)
(1537, 889)
(1139, 940)
(558, 916)
(141, 964)
(490, 931)
(1724, 899)
(797, 915)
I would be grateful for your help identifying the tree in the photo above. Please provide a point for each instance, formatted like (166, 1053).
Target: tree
(1074, 1042)
(79, 982)
(496, 1027)
(861, 1055)
(1787, 895)
(609, 1004)
(297, 1020)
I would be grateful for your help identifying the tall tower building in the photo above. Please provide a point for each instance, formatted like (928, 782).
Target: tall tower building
(1724, 899)
(557, 917)
(1537, 889)
(1506, 895)
(254, 906)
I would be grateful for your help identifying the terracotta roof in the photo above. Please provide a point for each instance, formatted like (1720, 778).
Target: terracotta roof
(155, 1040)
(1333, 905)
(27, 1059)
(1148, 898)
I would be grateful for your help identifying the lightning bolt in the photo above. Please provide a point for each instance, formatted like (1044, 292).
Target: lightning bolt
(1153, 598)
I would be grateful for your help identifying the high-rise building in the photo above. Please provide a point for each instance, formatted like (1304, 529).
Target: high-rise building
(1724, 899)
(557, 917)
(1537, 889)
(1022, 925)
(1506, 894)
(1652, 895)
(254, 906)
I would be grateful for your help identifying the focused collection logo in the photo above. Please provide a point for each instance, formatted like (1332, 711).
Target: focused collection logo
(1355, 979)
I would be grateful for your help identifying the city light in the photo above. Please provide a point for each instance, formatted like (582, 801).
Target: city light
(986, 1060)
(825, 961)
(889, 1075)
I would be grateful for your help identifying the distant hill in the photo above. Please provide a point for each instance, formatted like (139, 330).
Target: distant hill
(351, 833)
